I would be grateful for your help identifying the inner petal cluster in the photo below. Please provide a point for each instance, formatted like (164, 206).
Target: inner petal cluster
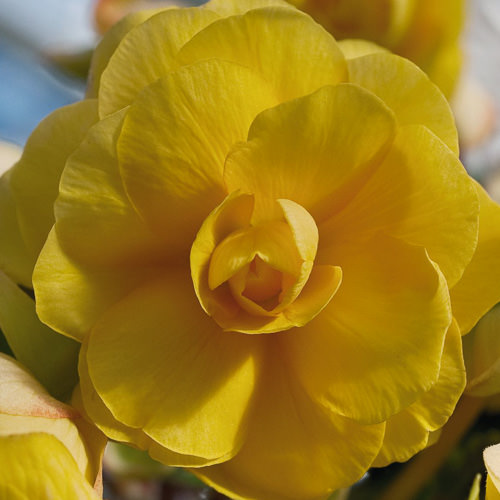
(259, 276)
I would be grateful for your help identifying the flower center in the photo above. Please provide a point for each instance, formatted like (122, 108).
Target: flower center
(259, 276)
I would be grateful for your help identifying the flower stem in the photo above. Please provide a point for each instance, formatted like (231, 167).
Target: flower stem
(424, 466)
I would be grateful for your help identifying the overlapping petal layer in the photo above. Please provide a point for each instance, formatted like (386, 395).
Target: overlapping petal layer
(284, 421)
(207, 377)
(365, 331)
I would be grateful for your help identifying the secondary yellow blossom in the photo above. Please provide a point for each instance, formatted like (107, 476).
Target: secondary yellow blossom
(491, 457)
(47, 450)
(425, 31)
(268, 250)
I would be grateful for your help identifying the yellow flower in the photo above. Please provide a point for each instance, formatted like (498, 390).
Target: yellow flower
(425, 31)
(260, 244)
(47, 451)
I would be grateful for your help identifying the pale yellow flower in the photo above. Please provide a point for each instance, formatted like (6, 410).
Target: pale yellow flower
(491, 457)
(266, 244)
(47, 450)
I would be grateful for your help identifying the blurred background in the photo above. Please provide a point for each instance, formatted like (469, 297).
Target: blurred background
(45, 49)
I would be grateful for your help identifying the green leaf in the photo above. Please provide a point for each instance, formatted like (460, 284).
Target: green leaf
(51, 357)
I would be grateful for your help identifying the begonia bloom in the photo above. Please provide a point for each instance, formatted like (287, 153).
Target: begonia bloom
(266, 244)
(47, 450)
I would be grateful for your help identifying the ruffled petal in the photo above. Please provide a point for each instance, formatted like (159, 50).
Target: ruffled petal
(408, 432)
(407, 90)
(292, 70)
(96, 222)
(294, 449)
(187, 384)
(88, 402)
(478, 290)
(377, 346)
(108, 45)
(420, 193)
(315, 151)
(175, 139)
(160, 37)
(70, 296)
(35, 178)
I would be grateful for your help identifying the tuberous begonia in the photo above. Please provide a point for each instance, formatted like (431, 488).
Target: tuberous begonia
(266, 244)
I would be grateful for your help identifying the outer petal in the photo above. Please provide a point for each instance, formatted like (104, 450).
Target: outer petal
(70, 296)
(294, 449)
(251, 39)
(49, 356)
(96, 223)
(160, 37)
(404, 437)
(86, 400)
(407, 91)
(35, 178)
(186, 383)
(39, 466)
(408, 431)
(479, 289)
(315, 151)
(377, 346)
(422, 194)
(175, 139)
(109, 44)
(15, 259)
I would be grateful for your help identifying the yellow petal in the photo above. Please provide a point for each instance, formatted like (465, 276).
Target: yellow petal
(434, 407)
(404, 437)
(233, 7)
(44, 352)
(478, 289)
(294, 450)
(491, 457)
(407, 91)
(15, 259)
(109, 44)
(175, 139)
(35, 178)
(39, 466)
(88, 402)
(293, 70)
(96, 222)
(232, 214)
(408, 432)
(377, 346)
(160, 37)
(186, 383)
(70, 296)
(420, 193)
(315, 151)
